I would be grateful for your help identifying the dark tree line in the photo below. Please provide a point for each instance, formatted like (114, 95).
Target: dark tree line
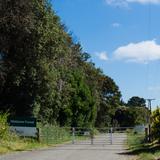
(44, 73)
(132, 113)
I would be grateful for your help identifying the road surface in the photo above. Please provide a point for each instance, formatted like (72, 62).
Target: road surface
(100, 150)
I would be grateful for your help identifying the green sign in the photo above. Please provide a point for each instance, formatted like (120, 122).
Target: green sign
(22, 121)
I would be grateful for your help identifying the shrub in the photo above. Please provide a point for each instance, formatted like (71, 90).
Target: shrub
(156, 124)
(4, 128)
(54, 134)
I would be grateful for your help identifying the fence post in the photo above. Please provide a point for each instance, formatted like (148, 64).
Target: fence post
(38, 135)
(146, 135)
(92, 136)
(73, 135)
(47, 135)
(111, 136)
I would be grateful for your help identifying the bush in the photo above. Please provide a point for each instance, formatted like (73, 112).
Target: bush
(54, 134)
(4, 128)
(156, 124)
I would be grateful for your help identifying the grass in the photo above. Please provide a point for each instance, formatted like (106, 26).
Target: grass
(54, 134)
(19, 145)
(49, 136)
(135, 140)
(148, 152)
(142, 150)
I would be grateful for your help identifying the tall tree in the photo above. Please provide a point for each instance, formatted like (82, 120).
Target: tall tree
(109, 101)
(136, 102)
(16, 45)
(44, 73)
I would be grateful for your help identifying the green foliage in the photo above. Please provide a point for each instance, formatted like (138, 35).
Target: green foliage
(54, 134)
(136, 102)
(156, 124)
(4, 129)
(131, 116)
(82, 103)
(133, 113)
(135, 141)
(109, 101)
(45, 74)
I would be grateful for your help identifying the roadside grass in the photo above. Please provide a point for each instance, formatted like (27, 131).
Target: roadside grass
(15, 143)
(135, 140)
(142, 150)
(49, 136)
(147, 152)
(54, 135)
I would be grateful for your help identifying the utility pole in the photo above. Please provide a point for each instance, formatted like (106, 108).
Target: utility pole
(149, 117)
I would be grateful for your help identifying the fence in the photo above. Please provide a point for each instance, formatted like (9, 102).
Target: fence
(88, 136)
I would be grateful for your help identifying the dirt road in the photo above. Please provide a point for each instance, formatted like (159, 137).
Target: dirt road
(100, 150)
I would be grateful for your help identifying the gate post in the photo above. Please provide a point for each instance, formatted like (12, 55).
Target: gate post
(73, 135)
(111, 136)
(146, 135)
(91, 135)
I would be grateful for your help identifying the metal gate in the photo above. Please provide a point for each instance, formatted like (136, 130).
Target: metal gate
(89, 136)
(104, 136)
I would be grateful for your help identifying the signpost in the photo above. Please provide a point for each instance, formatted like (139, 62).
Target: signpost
(23, 126)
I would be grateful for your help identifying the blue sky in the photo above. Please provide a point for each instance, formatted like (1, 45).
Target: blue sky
(123, 38)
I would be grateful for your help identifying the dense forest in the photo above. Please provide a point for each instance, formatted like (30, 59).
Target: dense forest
(45, 73)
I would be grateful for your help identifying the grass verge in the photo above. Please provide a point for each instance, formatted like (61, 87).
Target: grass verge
(10, 142)
(49, 136)
(142, 150)
(19, 144)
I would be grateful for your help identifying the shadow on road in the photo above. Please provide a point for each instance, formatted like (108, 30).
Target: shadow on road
(143, 149)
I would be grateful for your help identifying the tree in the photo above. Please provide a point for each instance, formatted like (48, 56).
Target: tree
(16, 44)
(45, 74)
(109, 101)
(31, 39)
(130, 116)
(124, 117)
(136, 102)
(156, 124)
(3, 72)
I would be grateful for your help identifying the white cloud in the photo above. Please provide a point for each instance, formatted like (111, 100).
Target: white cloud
(124, 3)
(116, 25)
(141, 52)
(102, 55)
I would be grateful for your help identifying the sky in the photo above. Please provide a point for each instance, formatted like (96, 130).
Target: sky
(123, 39)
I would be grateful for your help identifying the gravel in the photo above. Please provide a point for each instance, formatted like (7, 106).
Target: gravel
(83, 150)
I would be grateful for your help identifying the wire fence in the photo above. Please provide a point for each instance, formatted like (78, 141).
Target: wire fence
(75, 135)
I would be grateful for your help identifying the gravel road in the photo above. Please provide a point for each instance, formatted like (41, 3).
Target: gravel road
(100, 150)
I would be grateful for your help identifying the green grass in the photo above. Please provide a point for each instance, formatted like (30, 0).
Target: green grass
(147, 152)
(142, 150)
(54, 134)
(135, 141)
(19, 145)
(49, 136)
